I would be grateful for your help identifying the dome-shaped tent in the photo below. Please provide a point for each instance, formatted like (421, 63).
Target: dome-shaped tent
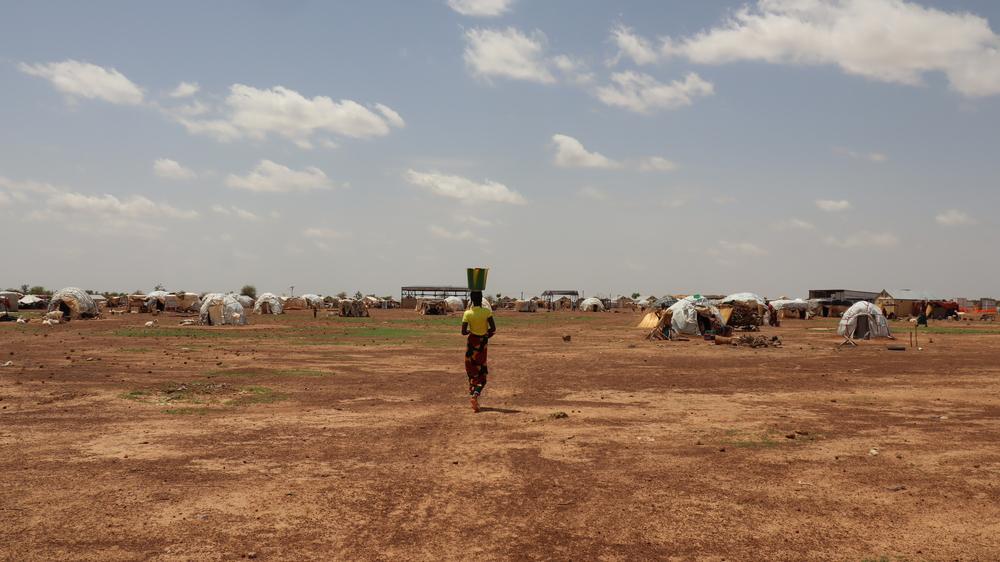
(9, 300)
(73, 303)
(863, 321)
(268, 303)
(592, 305)
(245, 300)
(313, 301)
(454, 304)
(218, 309)
(158, 301)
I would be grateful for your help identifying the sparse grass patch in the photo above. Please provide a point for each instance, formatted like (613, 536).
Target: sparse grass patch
(135, 349)
(256, 395)
(134, 395)
(200, 411)
(959, 331)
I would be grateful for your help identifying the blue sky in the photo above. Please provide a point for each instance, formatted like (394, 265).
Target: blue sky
(651, 146)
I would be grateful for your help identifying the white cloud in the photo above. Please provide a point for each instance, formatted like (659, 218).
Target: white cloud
(738, 248)
(885, 40)
(864, 239)
(254, 113)
(458, 187)
(480, 8)
(642, 93)
(573, 70)
(444, 233)
(593, 193)
(954, 217)
(474, 221)
(632, 46)
(322, 233)
(172, 169)
(235, 211)
(84, 80)
(656, 164)
(793, 224)
(832, 206)
(570, 153)
(272, 177)
(507, 53)
(185, 90)
(135, 207)
(874, 157)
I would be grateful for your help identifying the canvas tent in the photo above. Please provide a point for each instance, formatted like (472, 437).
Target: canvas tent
(863, 320)
(268, 303)
(9, 300)
(525, 306)
(791, 308)
(73, 303)
(294, 303)
(689, 316)
(454, 304)
(158, 301)
(218, 309)
(591, 305)
(313, 301)
(432, 307)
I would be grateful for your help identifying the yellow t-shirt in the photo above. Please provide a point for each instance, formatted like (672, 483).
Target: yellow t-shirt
(477, 318)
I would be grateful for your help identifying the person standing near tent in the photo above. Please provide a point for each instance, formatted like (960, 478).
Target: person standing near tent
(479, 326)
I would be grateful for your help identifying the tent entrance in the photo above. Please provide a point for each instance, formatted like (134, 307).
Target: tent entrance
(863, 329)
(64, 308)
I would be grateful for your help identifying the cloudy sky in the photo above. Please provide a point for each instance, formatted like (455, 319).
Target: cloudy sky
(651, 145)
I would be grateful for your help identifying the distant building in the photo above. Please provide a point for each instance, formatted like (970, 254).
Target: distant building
(409, 296)
(834, 302)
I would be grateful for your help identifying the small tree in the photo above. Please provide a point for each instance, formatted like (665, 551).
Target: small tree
(159, 287)
(250, 291)
(358, 296)
(635, 296)
(38, 290)
(342, 295)
(24, 288)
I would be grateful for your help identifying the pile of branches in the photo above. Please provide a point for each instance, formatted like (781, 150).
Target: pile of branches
(749, 340)
(746, 317)
(353, 309)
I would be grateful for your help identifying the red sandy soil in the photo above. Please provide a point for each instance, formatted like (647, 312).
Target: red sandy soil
(303, 439)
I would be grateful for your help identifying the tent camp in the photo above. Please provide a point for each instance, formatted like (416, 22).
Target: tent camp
(591, 305)
(218, 309)
(187, 302)
(526, 306)
(454, 304)
(863, 321)
(486, 305)
(268, 303)
(159, 301)
(73, 303)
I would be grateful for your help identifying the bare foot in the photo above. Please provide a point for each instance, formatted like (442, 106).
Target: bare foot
(475, 403)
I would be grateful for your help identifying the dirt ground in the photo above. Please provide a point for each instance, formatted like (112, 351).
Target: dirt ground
(352, 439)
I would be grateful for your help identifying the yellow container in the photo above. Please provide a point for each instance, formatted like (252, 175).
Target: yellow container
(477, 278)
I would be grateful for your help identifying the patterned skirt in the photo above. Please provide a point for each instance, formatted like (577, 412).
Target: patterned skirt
(475, 363)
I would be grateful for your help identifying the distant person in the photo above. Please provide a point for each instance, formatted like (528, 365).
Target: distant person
(479, 326)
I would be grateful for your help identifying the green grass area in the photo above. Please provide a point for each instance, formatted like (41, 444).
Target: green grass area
(193, 333)
(134, 395)
(200, 411)
(251, 372)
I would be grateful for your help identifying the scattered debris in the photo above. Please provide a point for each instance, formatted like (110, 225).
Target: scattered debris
(749, 340)
(873, 452)
(558, 415)
(896, 488)
(8, 364)
(567, 338)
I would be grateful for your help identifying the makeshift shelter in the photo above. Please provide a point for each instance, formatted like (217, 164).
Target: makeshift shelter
(293, 303)
(313, 301)
(73, 303)
(268, 303)
(662, 303)
(31, 301)
(486, 304)
(591, 305)
(9, 300)
(526, 306)
(435, 307)
(331, 302)
(218, 309)
(188, 302)
(692, 316)
(353, 308)
(865, 321)
(159, 301)
(371, 301)
(246, 300)
(791, 308)
(743, 310)
(454, 304)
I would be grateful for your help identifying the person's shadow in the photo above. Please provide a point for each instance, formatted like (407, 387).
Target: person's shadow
(498, 410)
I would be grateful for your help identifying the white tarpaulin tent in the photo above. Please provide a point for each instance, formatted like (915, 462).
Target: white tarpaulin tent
(744, 298)
(864, 321)
(592, 305)
(313, 301)
(9, 300)
(245, 300)
(790, 304)
(218, 309)
(268, 303)
(454, 304)
(73, 303)
(30, 300)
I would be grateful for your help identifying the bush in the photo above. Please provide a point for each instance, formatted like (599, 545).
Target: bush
(250, 291)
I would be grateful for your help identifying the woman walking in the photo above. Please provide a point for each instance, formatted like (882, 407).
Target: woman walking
(478, 325)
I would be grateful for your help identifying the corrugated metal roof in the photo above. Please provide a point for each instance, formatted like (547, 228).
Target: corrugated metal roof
(912, 295)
